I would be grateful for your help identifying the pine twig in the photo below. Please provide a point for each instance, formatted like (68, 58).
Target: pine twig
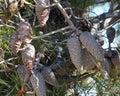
(51, 33)
(111, 6)
(78, 77)
(105, 16)
(66, 16)
(8, 60)
(6, 25)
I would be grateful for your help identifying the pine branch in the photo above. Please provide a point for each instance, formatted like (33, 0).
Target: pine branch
(78, 77)
(111, 6)
(103, 16)
(6, 25)
(8, 60)
(66, 16)
(51, 33)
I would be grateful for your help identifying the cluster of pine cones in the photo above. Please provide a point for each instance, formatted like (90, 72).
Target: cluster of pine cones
(21, 40)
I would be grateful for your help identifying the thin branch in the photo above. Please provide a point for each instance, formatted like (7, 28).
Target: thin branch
(104, 16)
(34, 20)
(8, 69)
(57, 43)
(47, 6)
(9, 26)
(51, 33)
(11, 21)
(66, 16)
(28, 3)
(8, 60)
(6, 5)
(98, 81)
(78, 77)
(19, 16)
(30, 93)
(111, 6)
(100, 31)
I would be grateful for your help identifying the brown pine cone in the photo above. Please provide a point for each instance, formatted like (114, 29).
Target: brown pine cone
(75, 51)
(38, 83)
(49, 76)
(115, 59)
(110, 34)
(24, 32)
(42, 11)
(15, 43)
(28, 57)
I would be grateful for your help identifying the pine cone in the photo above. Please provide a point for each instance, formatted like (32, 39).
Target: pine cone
(21, 72)
(110, 34)
(15, 43)
(28, 57)
(24, 32)
(115, 59)
(97, 52)
(92, 46)
(74, 47)
(49, 76)
(88, 61)
(38, 83)
(42, 11)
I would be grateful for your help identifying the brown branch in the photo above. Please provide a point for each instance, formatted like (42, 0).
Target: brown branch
(103, 16)
(51, 33)
(66, 16)
(111, 6)
(9, 26)
(8, 60)
(78, 77)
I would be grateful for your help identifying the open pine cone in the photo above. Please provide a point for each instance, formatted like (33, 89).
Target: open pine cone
(24, 32)
(28, 57)
(96, 51)
(38, 83)
(15, 43)
(49, 76)
(42, 11)
(75, 51)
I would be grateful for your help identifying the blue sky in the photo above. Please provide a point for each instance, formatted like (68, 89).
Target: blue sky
(97, 10)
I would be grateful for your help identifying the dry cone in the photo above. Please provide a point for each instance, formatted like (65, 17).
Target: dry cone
(116, 60)
(21, 71)
(24, 32)
(88, 60)
(49, 76)
(42, 11)
(38, 83)
(15, 43)
(96, 50)
(92, 46)
(75, 48)
(28, 57)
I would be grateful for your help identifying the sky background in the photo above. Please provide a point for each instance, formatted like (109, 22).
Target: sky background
(97, 10)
